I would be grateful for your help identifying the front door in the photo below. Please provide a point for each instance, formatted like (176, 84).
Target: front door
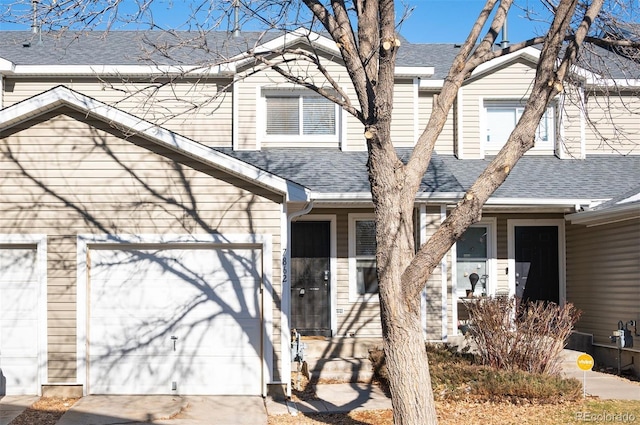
(537, 263)
(310, 256)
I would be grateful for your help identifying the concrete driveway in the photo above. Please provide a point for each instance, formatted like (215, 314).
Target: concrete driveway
(167, 410)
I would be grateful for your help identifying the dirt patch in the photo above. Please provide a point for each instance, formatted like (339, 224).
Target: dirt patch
(46, 411)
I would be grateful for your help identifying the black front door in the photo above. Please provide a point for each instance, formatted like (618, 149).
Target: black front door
(537, 263)
(310, 252)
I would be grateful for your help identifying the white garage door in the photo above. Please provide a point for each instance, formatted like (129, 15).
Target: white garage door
(19, 292)
(175, 320)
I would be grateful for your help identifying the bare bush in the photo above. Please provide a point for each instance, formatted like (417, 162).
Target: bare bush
(529, 339)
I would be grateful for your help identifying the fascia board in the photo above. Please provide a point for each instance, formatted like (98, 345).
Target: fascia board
(542, 202)
(431, 84)
(607, 215)
(118, 70)
(6, 66)
(594, 82)
(63, 96)
(286, 40)
(529, 53)
(414, 71)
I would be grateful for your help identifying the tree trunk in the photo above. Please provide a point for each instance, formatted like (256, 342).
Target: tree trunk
(404, 346)
(407, 362)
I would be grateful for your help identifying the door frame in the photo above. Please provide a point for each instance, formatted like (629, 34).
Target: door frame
(333, 250)
(262, 242)
(511, 248)
(39, 243)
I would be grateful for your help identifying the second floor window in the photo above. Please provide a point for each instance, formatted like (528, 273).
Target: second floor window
(300, 114)
(502, 117)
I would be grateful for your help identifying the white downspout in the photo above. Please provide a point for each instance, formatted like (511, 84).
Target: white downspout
(285, 324)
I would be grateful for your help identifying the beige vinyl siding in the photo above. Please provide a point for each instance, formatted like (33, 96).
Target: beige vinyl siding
(613, 124)
(510, 82)
(402, 116)
(603, 265)
(70, 175)
(446, 139)
(198, 109)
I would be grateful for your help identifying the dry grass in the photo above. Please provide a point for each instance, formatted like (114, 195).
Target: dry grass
(489, 413)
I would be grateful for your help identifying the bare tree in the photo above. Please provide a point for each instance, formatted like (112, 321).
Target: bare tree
(366, 34)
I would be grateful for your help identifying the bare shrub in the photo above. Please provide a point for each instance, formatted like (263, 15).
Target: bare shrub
(530, 339)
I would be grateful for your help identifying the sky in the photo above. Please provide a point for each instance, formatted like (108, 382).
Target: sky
(449, 21)
(431, 21)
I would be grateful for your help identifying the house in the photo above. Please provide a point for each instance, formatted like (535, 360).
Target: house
(165, 223)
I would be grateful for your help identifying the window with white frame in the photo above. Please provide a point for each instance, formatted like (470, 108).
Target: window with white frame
(299, 113)
(502, 117)
(362, 250)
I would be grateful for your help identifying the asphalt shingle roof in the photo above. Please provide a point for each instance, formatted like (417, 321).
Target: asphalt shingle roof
(536, 177)
(194, 48)
(596, 177)
(335, 171)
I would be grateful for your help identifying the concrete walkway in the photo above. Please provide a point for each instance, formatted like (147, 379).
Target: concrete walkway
(12, 406)
(167, 410)
(598, 384)
(334, 398)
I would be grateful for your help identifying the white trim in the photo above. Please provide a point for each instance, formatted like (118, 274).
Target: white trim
(423, 293)
(511, 262)
(333, 264)
(491, 223)
(119, 70)
(583, 124)
(353, 281)
(559, 202)
(40, 242)
(514, 103)
(414, 71)
(59, 96)
(613, 214)
(260, 241)
(296, 92)
(285, 297)
(529, 53)
(431, 84)
(444, 281)
(560, 147)
(416, 110)
(235, 115)
(459, 148)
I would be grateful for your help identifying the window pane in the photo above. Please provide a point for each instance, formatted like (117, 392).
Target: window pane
(367, 277)
(365, 237)
(319, 115)
(500, 124)
(473, 243)
(283, 115)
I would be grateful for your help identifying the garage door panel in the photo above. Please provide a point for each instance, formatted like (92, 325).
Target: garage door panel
(19, 295)
(18, 338)
(21, 375)
(135, 375)
(207, 298)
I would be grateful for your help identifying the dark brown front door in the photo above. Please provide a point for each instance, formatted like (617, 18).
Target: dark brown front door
(310, 252)
(537, 263)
